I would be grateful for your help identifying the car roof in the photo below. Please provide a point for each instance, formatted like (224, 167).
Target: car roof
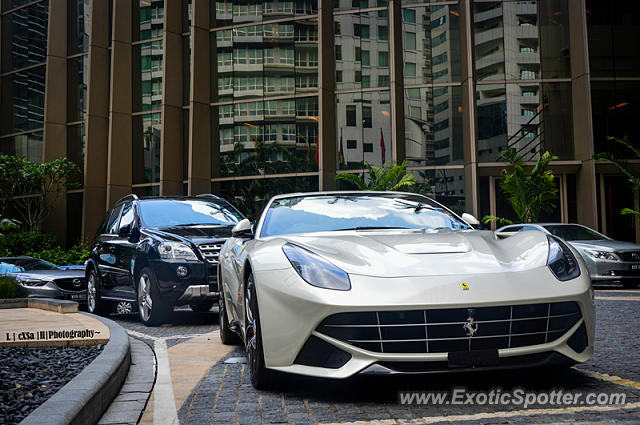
(346, 192)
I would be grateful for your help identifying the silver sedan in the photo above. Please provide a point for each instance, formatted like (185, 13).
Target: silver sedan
(608, 260)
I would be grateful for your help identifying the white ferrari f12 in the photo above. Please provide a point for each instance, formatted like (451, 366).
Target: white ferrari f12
(333, 284)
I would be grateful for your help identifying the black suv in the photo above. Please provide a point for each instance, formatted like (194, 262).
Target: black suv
(159, 252)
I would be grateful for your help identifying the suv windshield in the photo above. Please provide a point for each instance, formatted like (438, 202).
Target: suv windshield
(307, 214)
(173, 212)
(574, 233)
(16, 265)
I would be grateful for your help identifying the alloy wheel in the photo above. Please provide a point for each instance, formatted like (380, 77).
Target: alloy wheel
(91, 293)
(145, 304)
(124, 307)
(251, 337)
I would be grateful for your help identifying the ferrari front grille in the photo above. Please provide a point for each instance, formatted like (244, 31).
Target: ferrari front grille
(211, 251)
(453, 329)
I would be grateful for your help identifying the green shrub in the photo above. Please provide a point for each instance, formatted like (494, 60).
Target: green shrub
(8, 287)
(76, 255)
(17, 244)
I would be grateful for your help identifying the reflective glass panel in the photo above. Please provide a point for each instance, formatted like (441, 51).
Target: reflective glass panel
(28, 146)
(24, 37)
(146, 148)
(22, 97)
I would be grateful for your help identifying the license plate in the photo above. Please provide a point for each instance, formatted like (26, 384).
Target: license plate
(475, 358)
(78, 296)
(635, 267)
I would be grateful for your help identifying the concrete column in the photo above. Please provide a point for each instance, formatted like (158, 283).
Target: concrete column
(119, 162)
(171, 134)
(200, 126)
(398, 150)
(582, 115)
(471, 181)
(55, 110)
(97, 124)
(327, 161)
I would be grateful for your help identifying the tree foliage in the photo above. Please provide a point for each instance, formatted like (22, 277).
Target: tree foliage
(528, 193)
(387, 177)
(33, 188)
(623, 165)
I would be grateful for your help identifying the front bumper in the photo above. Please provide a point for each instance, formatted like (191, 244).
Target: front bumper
(200, 283)
(604, 270)
(51, 290)
(291, 311)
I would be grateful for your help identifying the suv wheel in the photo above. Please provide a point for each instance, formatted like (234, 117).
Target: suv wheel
(95, 304)
(202, 307)
(153, 309)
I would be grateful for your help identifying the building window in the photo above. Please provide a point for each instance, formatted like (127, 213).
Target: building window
(352, 144)
(409, 15)
(527, 74)
(415, 112)
(367, 147)
(338, 52)
(366, 81)
(366, 117)
(527, 112)
(361, 30)
(526, 49)
(383, 32)
(351, 115)
(529, 92)
(410, 41)
(440, 59)
(527, 21)
(357, 54)
(409, 69)
(383, 80)
(439, 39)
(364, 58)
(338, 76)
(383, 58)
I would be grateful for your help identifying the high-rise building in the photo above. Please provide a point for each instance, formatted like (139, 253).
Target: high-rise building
(249, 98)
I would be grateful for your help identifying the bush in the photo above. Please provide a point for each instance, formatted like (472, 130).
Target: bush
(16, 244)
(8, 287)
(76, 255)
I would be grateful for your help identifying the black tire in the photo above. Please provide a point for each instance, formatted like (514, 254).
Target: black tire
(227, 336)
(202, 307)
(630, 284)
(153, 309)
(95, 303)
(261, 377)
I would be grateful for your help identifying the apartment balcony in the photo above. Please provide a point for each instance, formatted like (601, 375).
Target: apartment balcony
(489, 60)
(493, 34)
(487, 14)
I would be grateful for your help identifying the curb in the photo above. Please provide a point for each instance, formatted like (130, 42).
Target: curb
(49, 304)
(88, 395)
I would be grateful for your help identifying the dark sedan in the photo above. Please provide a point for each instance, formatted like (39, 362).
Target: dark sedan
(40, 279)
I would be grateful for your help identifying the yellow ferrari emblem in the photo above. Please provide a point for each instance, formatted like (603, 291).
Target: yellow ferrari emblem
(465, 286)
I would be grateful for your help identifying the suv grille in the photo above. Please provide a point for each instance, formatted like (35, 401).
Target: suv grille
(630, 256)
(210, 251)
(442, 331)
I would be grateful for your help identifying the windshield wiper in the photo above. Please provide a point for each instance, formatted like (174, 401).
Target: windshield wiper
(371, 228)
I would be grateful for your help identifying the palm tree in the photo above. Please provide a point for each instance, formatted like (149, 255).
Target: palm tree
(529, 194)
(387, 177)
(624, 166)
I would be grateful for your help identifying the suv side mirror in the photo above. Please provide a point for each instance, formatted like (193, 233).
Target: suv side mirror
(242, 229)
(471, 220)
(124, 231)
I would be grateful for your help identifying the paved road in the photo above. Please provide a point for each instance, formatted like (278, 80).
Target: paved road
(212, 390)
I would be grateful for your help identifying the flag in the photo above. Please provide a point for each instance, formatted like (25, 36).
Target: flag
(341, 153)
(384, 150)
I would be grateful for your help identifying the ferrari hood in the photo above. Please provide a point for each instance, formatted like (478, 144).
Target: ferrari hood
(397, 253)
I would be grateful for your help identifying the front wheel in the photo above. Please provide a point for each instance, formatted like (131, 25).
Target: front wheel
(153, 309)
(95, 304)
(261, 377)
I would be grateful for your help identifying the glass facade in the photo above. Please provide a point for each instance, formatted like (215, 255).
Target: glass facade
(399, 85)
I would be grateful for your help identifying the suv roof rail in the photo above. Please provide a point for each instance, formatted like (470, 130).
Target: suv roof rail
(207, 195)
(133, 197)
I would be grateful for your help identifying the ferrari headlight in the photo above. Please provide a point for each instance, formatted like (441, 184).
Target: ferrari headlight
(601, 255)
(176, 251)
(561, 260)
(315, 270)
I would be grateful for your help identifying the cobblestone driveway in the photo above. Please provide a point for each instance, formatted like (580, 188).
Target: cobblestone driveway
(224, 394)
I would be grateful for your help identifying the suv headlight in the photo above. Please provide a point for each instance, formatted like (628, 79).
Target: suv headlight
(601, 255)
(561, 260)
(315, 270)
(176, 251)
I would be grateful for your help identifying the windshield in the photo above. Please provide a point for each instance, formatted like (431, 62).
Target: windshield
(308, 214)
(18, 265)
(574, 233)
(171, 212)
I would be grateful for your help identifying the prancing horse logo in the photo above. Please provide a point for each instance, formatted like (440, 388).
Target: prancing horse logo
(470, 326)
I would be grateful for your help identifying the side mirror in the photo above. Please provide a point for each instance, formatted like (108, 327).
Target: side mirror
(471, 220)
(124, 231)
(242, 229)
